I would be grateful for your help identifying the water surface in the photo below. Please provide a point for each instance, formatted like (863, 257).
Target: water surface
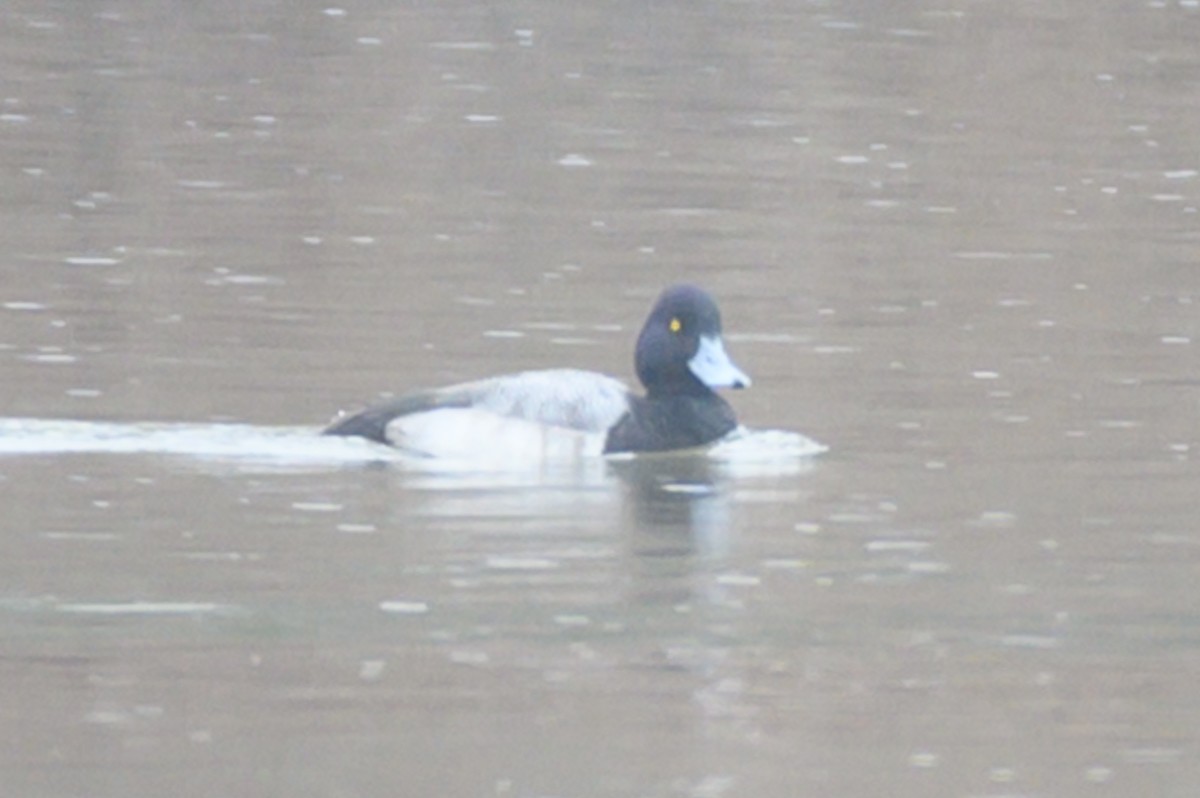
(956, 243)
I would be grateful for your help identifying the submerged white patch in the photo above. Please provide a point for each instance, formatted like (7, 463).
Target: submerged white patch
(749, 445)
(485, 437)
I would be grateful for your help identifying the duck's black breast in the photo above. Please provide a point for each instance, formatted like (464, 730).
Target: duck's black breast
(661, 423)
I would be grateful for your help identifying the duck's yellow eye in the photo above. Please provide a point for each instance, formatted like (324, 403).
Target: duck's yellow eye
(676, 325)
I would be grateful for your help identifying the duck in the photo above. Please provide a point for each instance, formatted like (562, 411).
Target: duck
(679, 358)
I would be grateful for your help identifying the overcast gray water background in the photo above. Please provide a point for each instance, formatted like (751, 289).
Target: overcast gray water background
(957, 242)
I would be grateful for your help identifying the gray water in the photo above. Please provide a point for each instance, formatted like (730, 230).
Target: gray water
(956, 242)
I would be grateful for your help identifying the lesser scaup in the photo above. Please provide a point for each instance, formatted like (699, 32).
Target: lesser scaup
(680, 359)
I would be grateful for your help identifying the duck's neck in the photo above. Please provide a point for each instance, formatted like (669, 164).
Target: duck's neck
(681, 384)
(670, 422)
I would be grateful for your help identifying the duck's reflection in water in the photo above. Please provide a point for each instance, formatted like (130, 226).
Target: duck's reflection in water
(676, 523)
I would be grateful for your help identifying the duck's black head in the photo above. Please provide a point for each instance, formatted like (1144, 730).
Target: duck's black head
(680, 350)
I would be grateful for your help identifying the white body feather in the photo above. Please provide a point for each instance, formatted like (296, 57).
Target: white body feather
(544, 415)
